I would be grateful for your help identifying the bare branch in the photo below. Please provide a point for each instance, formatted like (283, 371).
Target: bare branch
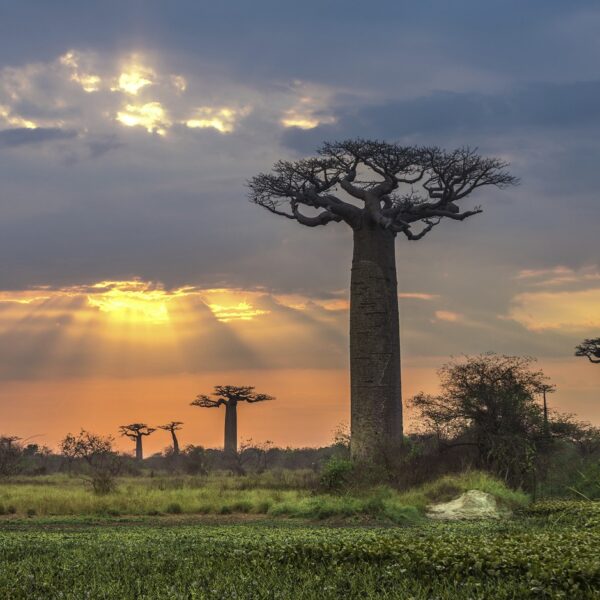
(445, 178)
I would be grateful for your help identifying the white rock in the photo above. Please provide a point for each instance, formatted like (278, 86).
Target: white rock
(470, 505)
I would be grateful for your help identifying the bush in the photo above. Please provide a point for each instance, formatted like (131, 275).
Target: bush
(174, 508)
(336, 474)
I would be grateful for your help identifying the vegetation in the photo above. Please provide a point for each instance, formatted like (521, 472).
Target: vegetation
(590, 348)
(538, 555)
(295, 495)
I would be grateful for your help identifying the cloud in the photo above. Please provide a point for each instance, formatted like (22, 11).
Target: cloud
(440, 114)
(21, 136)
(571, 311)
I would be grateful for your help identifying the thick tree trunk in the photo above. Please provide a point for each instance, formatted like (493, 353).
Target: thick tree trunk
(376, 399)
(231, 427)
(139, 454)
(175, 443)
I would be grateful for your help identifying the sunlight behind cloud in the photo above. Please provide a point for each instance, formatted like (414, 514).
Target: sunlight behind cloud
(565, 310)
(152, 116)
(222, 119)
(15, 120)
(88, 81)
(134, 78)
(132, 301)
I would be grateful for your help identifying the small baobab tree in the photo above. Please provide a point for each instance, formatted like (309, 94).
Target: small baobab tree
(137, 432)
(379, 190)
(172, 428)
(229, 396)
(589, 348)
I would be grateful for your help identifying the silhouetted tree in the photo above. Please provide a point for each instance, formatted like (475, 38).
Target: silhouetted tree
(11, 453)
(229, 396)
(589, 348)
(96, 452)
(173, 427)
(137, 432)
(370, 186)
(488, 402)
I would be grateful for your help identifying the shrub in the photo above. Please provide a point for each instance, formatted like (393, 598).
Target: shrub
(174, 508)
(336, 474)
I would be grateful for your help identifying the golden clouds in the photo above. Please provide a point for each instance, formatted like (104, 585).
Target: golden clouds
(566, 310)
(310, 107)
(134, 77)
(89, 93)
(222, 119)
(151, 116)
(14, 120)
(89, 82)
(558, 299)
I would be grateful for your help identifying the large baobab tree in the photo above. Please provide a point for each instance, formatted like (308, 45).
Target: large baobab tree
(173, 427)
(137, 432)
(589, 348)
(230, 396)
(379, 190)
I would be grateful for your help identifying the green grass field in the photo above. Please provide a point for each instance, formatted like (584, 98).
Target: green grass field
(220, 494)
(234, 537)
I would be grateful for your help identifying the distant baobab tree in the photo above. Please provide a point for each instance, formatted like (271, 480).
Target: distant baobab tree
(137, 431)
(371, 186)
(173, 427)
(229, 396)
(589, 348)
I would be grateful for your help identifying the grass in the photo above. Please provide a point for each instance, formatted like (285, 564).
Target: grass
(524, 558)
(61, 495)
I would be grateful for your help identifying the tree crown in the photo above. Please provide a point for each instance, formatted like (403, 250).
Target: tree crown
(229, 394)
(387, 184)
(171, 426)
(136, 430)
(590, 348)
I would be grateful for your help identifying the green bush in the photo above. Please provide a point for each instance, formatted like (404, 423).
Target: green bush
(336, 474)
(174, 508)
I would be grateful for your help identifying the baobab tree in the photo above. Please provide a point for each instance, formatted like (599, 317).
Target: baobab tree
(137, 432)
(173, 427)
(379, 190)
(229, 396)
(589, 348)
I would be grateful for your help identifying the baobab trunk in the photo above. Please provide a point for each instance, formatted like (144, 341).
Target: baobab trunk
(175, 443)
(139, 454)
(231, 427)
(376, 399)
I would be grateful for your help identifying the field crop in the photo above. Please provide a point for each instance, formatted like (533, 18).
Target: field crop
(536, 555)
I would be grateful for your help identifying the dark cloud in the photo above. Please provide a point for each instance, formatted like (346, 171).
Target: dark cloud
(24, 136)
(442, 115)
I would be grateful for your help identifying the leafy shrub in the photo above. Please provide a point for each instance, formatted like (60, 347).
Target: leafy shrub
(336, 474)
(174, 508)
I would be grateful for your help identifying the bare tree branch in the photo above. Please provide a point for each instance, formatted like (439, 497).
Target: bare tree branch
(445, 178)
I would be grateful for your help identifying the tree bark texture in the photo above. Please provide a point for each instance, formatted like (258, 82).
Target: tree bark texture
(376, 399)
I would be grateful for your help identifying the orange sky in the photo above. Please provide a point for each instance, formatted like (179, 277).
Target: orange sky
(100, 356)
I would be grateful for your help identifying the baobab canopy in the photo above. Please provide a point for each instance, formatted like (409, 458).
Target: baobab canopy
(397, 187)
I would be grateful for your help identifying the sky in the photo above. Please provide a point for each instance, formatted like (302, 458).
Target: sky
(135, 274)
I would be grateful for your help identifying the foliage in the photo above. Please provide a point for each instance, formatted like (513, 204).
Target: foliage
(97, 461)
(11, 454)
(336, 474)
(489, 404)
(526, 558)
(221, 494)
(589, 348)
